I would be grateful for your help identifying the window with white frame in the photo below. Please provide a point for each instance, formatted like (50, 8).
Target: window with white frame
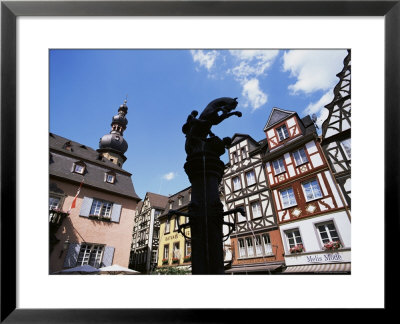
(79, 168)
(180, 199)
(293, 238)
(250, 178)
(110, 178)
(279, 166)
(287, 197)
(235, 157)
(256, 209)
(90, 254)
(54, 202)
(101, 208)
(346, 145)
(236, 183)
(267, 244)
(176, 250)
(166, 251)
(244, 153)
(300, 156)
(327, 232)
(239, 216)
(311, 190)
(188, 248)
(255, 246)
(282, 132)
(167, 224)
(258, 245)
(176, 223)
(249, 246)
(242, 248)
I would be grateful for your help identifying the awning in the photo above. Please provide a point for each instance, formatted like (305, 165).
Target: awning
(258, 268)
(320, 268)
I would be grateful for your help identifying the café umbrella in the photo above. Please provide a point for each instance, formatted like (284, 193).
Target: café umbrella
(117, 269)
(84, 269)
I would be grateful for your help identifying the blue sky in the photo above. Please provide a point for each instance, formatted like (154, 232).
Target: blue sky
(163, 86)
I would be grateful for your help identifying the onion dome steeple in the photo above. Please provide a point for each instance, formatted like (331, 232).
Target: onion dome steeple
(113, 145)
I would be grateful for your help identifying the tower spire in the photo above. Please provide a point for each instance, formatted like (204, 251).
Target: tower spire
(113, 146)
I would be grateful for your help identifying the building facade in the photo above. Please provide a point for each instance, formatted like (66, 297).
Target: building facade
(313, 221)
(255, 243)
(336, 131)
(96, 199)
(174, 249)
(146, 233)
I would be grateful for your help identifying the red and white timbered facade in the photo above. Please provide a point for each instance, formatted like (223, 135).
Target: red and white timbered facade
(309, 206)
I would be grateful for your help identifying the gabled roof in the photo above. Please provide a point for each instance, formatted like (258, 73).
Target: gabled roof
(156, 200)
(240, 137)
(276, 116)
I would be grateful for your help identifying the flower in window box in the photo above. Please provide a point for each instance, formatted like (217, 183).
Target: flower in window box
(164, 261)
(187, 258)
(332, 245)
(297, 248)
(175, 260)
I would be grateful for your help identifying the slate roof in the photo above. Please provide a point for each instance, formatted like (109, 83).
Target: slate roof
(157, 201)
(174, 199)
(276, 116)
(61, 162)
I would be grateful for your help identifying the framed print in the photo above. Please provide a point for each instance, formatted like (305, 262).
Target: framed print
(30, 28)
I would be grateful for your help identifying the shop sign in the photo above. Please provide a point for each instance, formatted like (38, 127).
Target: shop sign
(329, 257)
(171, 237)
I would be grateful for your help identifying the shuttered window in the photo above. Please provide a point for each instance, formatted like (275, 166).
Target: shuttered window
(104, 210)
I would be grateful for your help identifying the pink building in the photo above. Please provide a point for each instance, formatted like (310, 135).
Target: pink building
(99, 196)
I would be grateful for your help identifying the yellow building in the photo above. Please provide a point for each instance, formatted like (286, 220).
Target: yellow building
(174, 249)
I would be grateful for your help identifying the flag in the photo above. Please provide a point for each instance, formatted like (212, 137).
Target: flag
(77, 193)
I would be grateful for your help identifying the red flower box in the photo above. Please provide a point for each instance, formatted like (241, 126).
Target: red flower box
(297, 248)
(332, 245)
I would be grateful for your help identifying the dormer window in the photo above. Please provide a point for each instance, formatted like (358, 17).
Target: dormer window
(68, 146)
(282, 132)
(170, 204)
(110, 177)
(79, 167)
(180, 201)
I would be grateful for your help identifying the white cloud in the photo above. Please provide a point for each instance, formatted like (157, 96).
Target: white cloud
(248, 67)
(254, 95)
(318, 108)
(313, 69)
(169, 176)
(203, 58)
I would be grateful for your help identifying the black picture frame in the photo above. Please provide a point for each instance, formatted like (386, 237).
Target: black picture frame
(10, 10)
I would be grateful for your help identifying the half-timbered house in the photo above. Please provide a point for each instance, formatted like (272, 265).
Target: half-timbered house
(256, 242)
(311, 213)
(145, 237)
(336, 131)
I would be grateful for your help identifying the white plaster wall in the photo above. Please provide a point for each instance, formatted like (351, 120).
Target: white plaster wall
(309, 234)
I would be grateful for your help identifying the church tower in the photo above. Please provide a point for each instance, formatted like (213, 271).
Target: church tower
(112, 146)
